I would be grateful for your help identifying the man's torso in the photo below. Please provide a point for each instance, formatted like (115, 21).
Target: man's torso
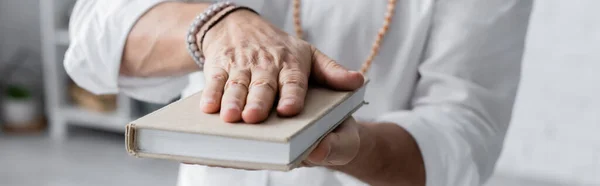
(344, 30)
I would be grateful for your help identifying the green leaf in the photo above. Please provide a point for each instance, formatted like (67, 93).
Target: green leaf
(17, 92)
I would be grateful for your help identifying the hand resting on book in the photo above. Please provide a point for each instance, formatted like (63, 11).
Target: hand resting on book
(250, 63)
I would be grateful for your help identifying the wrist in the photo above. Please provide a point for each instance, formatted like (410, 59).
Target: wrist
(401, 148)
(388, 156)
(202, 23)
(222, 22)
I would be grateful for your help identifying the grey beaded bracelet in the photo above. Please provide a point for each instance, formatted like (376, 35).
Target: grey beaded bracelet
(193, 48)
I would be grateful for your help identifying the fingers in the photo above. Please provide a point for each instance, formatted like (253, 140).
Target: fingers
(339, 147)
(213, 91)
(293, 81)
(327, 72)
(234, 97)
(248, 92)
(262, 91)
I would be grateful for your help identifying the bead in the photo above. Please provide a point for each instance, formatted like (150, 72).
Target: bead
(193, 47)
(375, 48)
(195, 26)
(380, 34)
(191, 39)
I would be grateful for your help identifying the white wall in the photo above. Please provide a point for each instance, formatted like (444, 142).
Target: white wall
(555, 133)
(20, 27)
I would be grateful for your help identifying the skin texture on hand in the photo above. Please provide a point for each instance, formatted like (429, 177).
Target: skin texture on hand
(376, 153)
(251, 63)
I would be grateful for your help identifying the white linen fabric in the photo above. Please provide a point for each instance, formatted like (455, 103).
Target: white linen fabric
(447, 72)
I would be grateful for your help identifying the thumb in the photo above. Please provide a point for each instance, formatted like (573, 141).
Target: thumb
(337, 148)
(329, 73)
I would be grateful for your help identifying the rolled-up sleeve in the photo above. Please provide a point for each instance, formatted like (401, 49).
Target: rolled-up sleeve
(467, 84)
(98, 31)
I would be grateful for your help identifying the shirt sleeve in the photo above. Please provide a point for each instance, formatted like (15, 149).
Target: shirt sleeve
(467, 84)
(98, 31)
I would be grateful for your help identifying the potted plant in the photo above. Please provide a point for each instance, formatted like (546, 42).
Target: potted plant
(20, 110)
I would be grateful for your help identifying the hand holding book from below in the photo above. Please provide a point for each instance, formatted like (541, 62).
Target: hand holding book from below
(338, 147)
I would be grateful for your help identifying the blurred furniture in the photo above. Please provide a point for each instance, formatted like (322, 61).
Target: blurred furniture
(20, 110)
(19, 103)
(60, 110)
(96, 103)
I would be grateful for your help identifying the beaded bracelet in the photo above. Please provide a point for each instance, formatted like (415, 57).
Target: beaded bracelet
(194, 49)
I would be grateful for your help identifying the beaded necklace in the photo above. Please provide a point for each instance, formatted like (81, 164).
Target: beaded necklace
(374, 49)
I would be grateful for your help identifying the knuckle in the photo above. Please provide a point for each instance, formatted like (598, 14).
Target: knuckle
(331, 64)
(219, 77)
(298, 83)
(296, 79)
(267, 57)
(240, 81)
(292, 59)
(249, 58)
(225, 58)
(293, 73)
(237, 82)
(243, 82)
(266, 83)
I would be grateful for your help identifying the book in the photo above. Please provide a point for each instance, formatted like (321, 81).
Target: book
(180, 131)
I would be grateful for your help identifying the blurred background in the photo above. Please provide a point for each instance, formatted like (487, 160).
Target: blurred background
(55, 133)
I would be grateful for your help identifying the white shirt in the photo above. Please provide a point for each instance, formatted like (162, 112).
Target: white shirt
(447, 72)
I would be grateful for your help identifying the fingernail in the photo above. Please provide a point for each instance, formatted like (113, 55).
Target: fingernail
(288, 102)
(232, 106)
(254, 106)
(208, 101)
(354, 72)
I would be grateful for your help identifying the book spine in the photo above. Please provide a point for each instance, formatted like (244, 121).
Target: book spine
(130, 142)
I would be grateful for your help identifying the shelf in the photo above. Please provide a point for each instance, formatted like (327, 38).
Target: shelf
(62, 37)
(54, 39)
(108, 121)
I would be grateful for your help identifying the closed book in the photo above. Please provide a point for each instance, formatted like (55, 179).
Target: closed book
(180, 131)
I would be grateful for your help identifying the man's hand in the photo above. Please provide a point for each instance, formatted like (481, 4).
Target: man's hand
(378, 154)
(250, 62)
